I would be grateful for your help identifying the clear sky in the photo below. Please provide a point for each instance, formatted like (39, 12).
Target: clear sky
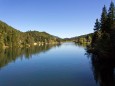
(63, 18)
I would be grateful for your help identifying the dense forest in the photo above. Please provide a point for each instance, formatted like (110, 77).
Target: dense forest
(10, 37)
(83, 39)
(103, 39)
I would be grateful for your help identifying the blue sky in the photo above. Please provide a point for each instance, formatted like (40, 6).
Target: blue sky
(63, 18)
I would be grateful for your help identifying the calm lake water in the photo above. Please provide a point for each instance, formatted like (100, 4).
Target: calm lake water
(51, 65)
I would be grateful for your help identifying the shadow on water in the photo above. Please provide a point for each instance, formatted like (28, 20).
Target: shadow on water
(103, 70)
(12, 54)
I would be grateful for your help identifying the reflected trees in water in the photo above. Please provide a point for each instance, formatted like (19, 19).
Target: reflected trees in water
(103, 70)
(11, 54)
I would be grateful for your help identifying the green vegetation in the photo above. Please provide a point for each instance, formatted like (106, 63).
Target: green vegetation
(103, 39)
(84, 39)
(10, 37)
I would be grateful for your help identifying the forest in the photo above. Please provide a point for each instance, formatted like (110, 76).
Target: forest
(11, 37)
(102, 41)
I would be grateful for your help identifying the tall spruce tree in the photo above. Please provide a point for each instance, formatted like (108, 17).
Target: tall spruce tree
(97, 25)
(104, 19)
(111, 16)
(96, 34)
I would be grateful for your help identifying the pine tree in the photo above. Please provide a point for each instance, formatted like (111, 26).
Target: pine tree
(104, 19)
(111, 16)
(97, 25)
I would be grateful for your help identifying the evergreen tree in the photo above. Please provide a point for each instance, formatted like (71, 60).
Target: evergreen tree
(103, 40)
(97, 25)
(111, 16)
(104, 19)
(96, 34)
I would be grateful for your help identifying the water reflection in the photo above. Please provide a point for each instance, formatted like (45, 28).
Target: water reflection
(103, 70)
(83, 45)
(11, 54)
(63, 66)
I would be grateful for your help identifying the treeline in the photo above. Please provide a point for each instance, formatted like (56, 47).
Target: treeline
(80, 40)
(83, 39)
(10, 37)
(103, 39)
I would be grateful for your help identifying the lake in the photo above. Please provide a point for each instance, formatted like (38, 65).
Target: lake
(49, 65)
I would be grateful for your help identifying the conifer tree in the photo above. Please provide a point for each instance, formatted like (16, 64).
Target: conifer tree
(97, 25)
(111, 16)
(104, 19)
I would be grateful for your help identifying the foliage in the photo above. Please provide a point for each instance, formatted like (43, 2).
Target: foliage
(10, 37)
(103, 40)
(97, 25)
(83, 39)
